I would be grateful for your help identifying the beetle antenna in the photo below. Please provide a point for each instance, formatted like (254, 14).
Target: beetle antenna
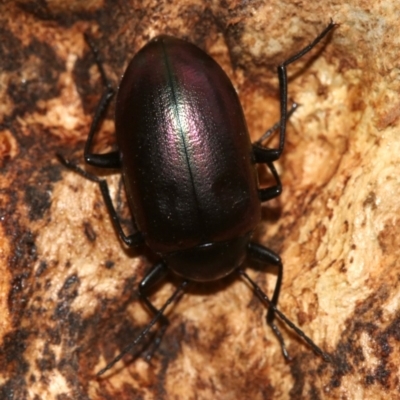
(285, 319)
(146, 330)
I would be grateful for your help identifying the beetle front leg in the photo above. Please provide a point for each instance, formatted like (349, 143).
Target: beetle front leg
(264, 298)
(266, 256)
(155, 276)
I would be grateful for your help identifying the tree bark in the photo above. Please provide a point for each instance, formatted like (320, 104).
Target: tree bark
(69, 301)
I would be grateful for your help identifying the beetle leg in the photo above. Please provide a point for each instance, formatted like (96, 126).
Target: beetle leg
(272, 191)
(266, 256)
(276, 126)
(262, 155)
(130, 240)
(274, 154)
(155, 276)
(146, 330)
(263, 297)
(266, 155)
(109, 160)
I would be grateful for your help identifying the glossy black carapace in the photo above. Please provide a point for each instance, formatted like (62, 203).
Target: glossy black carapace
(187, 160)
(189, 170)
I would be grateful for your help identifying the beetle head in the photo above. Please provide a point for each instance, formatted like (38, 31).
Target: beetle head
(210, 261)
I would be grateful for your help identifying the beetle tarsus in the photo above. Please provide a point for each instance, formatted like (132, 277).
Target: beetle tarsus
(146, 330)
(157, 273)
(325, 356)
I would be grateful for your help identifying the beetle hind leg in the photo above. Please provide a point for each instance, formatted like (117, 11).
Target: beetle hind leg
(264, 155)
(112, 159)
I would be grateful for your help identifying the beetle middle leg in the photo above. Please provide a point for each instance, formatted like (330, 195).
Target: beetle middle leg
(130, 240)
(268, 133)
(265, 155)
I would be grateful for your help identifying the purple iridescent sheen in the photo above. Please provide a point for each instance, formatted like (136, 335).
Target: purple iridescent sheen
(185, 150)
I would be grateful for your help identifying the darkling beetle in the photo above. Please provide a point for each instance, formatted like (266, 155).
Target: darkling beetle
(189, 171)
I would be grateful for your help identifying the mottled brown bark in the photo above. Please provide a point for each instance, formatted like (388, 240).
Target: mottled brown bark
(68, 288)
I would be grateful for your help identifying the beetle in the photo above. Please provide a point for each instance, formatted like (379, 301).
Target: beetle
(189, 171)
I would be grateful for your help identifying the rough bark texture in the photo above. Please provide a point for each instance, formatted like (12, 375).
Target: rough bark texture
(68, 296)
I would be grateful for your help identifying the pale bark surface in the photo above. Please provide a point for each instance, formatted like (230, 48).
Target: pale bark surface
(68, 288)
